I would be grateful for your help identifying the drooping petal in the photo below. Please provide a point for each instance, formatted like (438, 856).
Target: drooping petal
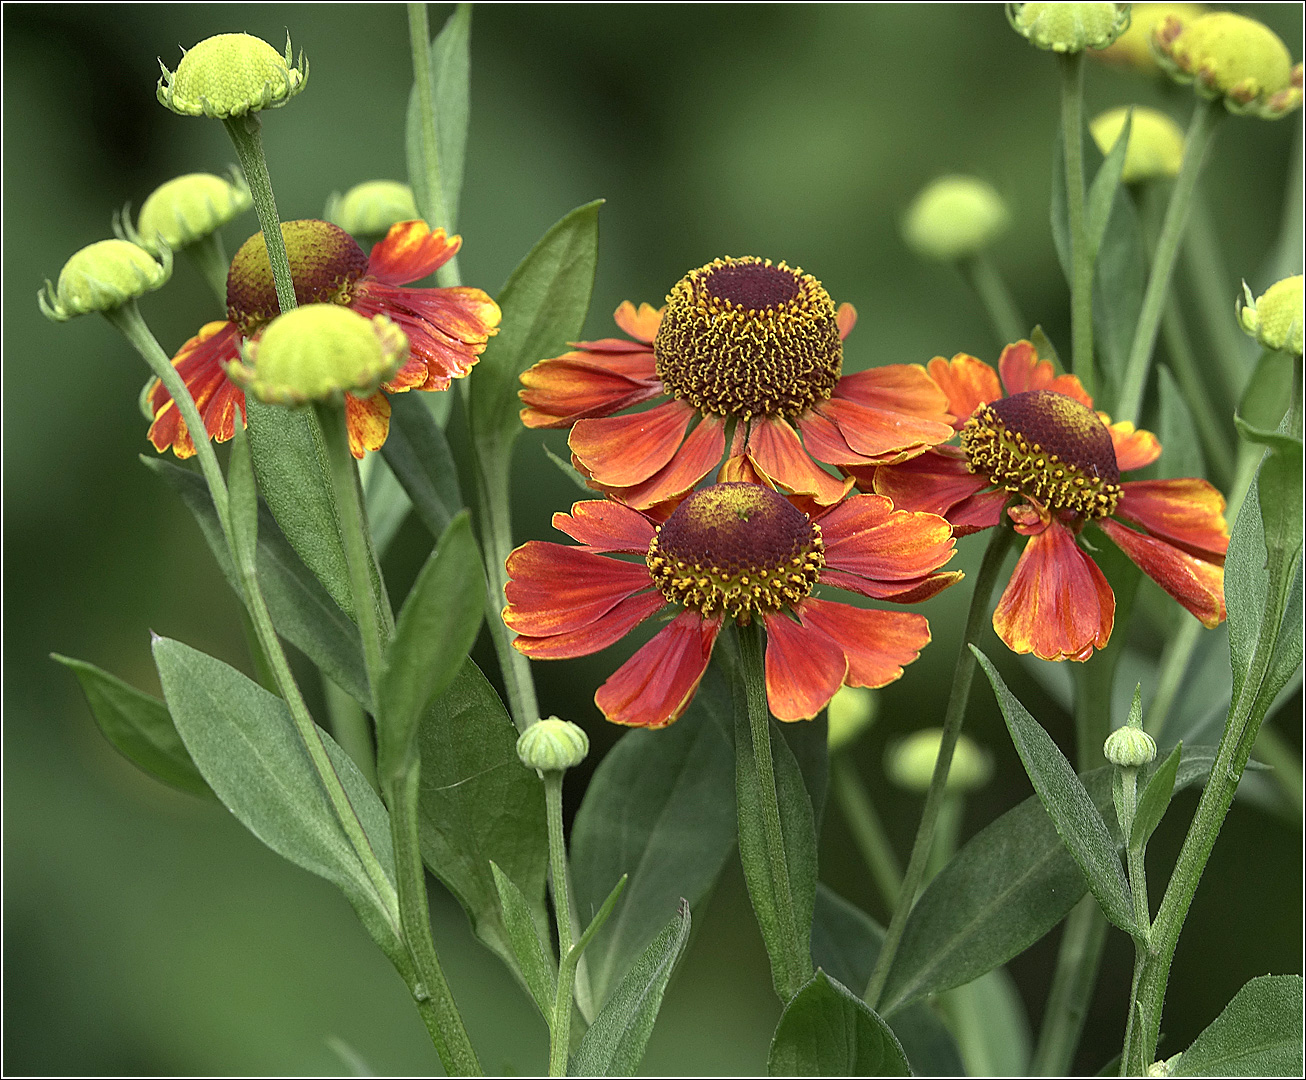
(910, 591)
(655, 686)
(1134, 449)
(777, 453)
(867, 536)
(200, 363)
(693, 461)
(1022, 370)
(804, 668)
(877, 644)
(410, 251)
(642, 323)
(1188, 512)
(602, 525)
(966, 382)
(1057, 604)
(934, 482)
(555, 588)
(979, 512)
(607, 629)
(846, 319)
(1197, 584)
(620, 451)
(368, 422)
(825, 442)
(905, 410)
(571, 387)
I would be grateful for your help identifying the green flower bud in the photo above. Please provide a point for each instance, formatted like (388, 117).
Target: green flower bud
(102, 277)
(553, 745)
(320, 352)
(851, 712)
(370, 208)
(1129, 747)
(186, 210)
(953, 218)
(231, 75)
(1069, 28)
(1275, 317)
(1156, 143)
(1134, 47)
(910, 762)
(1231, 57)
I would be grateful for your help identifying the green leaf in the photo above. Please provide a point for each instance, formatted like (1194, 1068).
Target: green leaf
(450, 92)
(246, 745)
(809, 741)
(1102, 192)
(1258, 1034)
(242, 499)
(992, 1028)
(614, 1044)
(1119, 281)
(436, 629)
(418, 454)
(1044, 347)
(660, 808)
(826, 1030)
(138, 725)
(1183, 454)
(301, 609)
(532, 957)
(1078, 820)
(544, 304)
(386, 502)
(1268, 392)
(1155, 799)
(600, 917)
(479, 803)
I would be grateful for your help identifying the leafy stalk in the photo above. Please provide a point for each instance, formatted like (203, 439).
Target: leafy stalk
(419, 39)
(1081, 254)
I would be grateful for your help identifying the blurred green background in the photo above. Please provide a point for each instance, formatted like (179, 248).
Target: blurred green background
(147, 932)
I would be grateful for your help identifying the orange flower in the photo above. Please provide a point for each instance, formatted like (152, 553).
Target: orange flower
(1043, 444)
(447, 328)
(741, 344)
(739, 551)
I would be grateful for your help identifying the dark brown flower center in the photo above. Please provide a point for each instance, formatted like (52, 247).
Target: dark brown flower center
(743, 338)
(1047, 446)
(325, 263)
(736, 549)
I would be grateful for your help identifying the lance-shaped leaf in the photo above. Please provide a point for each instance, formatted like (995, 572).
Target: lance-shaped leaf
(450, 92)
(1155, 799)
(1078, 820)
(533, 961)
(1258, 1034)
(418, 454)
(827, 1030)
(242, 504)
(614, 1044)
(1183, 454)
(1102, 192)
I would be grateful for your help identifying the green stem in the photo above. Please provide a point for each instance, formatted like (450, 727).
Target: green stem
(560, 1028)
(1081, 257)
(350, 727)
(399, 765)
(210, 258)
(262, 666)
(245, 136)
(1175, 658)
(419, 37)
(868, 834)
(996, 298)
(962, 675)
(1205, 117)
(1069, 997)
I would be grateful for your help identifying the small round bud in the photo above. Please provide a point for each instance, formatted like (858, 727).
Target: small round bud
(1129, 747)
(187, 209)
(1156, 144)
(1069, 28)
(1275, 318)
(953, 218)
(851, 712)
(1134, 47)
(320, 352)
(1231, 57)
(231, 75)
(553, 745)
(370, 208)
(909, 763)
(102, 277)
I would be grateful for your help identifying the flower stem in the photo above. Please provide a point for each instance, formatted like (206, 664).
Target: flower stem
(210, 259)
(399, 765)
(962, 675)
(1081, 257)
(868, 833)
(1205, 117)
(246, 137)
(996, 298)
(419, 37)
(560, 1027)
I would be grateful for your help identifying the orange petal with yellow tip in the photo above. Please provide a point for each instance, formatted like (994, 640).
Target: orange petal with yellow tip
(603, 525)
(1197, 584)
(1057, 604)
(877, 644)
(1022, 370)
(777, 453)
(1134, 449)
(966, 383)
(1188, 513)
(410, 251)
(620, 451)
(804, 668)
(642, 323)
(368, 421)
(556, 588)
(845, 318)
(201, 363)
(656, 685)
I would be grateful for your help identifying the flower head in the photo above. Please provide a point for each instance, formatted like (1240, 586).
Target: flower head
(1274, 319)
(1039, 453)
(186, 209)
(954, 217)
(101, 277)
(1068, 28)
(743, 345)
(231, 75)
(370, 208)
(446, 328)
(731, 551)
(1156, 145)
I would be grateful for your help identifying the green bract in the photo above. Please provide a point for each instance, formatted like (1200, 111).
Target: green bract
(372, 207)
(231, 75)
(187, 209)
(1156, 145)
(953, 218)
(552, 745)
(910, 763)
(102, 277)
(1275, 318)
(1067, 28)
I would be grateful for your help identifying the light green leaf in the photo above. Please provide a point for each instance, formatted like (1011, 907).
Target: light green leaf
(1258, 1034)
(138, 725)
(418, 454)
(1155, 799)
(568, 470)
(450, 91)
(242, 499)
(1183, 453)
(1268, 392)
(533, 962)
(826, 1030)
(1102, 191)
(992, 1029)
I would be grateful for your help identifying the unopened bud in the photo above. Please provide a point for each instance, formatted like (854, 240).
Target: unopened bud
(102, 277)
(1129, 748)
(953, 218)
(1156, 144)
(370, 208)
(552, 745)
(910, 762)
(187, 209)
(231, 75)
(1069, 28)
(851, 711)
(1275, 317)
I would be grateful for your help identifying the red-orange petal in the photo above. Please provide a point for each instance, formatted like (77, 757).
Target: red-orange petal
(845, 318)
(934, 482)
(877, 644)
(825, 442)
(866, 536)
(555, 588)
(1134, 449)
(410, 251)
(607, 629)
(642, 323)
(882, 436)
(910, 591)
(1187, 512)
(693, 461)
(898, 388)
(1197, 584)
(1058, 604)
(200, 363)
(368, 422)
(979, 512)
(621, 451)
(1022, 370)
(777, 453)
(559, 392)
(804, 668)
(966, 382)
(602, 525)
(656, 685)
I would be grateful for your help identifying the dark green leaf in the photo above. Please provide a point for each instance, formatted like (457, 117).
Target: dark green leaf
(436, 629)
(242, 499)
(826, 1030)
(386, 501)
(614, 1044)
(659, 808)
(1077, 819)
(138, 725)
(1154, 800)
(1280, 485)
(1119, 280)
(1285, 662)
(302, 611)
(418, 454)
(1060, 210)
(1183, 454)
(1268, 392)
(809, 741)
(479, 803)
(533, 962)
(450, 91)
(1102, 192)
(991, 1027)
(1258, 1034)
(600, 917)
